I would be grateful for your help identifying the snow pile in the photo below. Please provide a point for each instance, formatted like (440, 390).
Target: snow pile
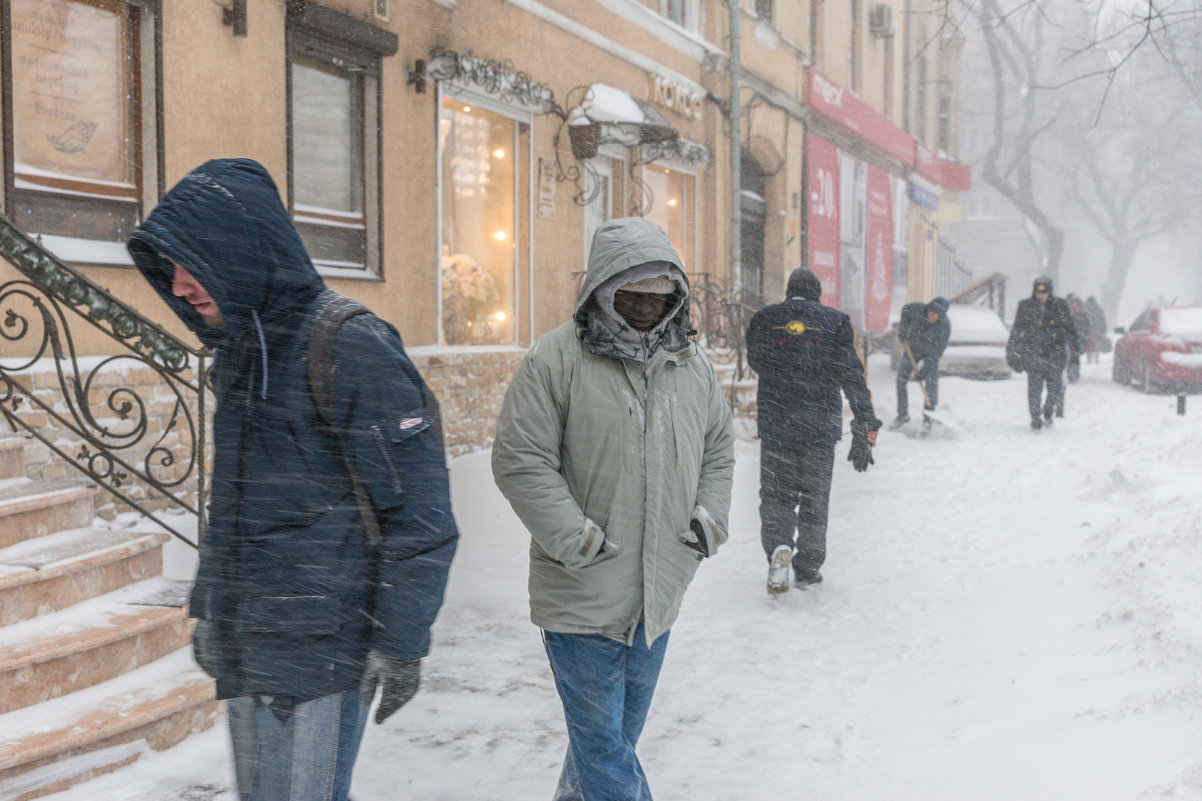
(1006, 615)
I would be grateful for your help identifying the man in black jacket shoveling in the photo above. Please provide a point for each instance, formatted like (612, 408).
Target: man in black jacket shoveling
(805, 354)
(328, 547)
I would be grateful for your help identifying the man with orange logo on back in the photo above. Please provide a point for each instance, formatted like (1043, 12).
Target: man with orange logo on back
(805, 354)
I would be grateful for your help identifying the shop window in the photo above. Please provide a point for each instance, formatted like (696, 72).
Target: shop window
(333, 136)
(670, 204)
(483, 222)
(75, 163)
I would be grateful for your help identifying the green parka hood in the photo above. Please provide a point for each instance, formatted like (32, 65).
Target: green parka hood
(630, 249)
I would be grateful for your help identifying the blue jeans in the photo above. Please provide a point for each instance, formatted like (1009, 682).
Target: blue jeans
(286, 751)
(606, 689)
(904, 368)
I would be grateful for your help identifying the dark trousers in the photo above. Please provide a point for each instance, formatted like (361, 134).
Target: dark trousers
(904, 368)
(795, 488)
(1053, 378)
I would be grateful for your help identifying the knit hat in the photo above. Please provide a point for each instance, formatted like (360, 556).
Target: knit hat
(655, 285)
(1043, 284)
(804, 284)
(939, 306)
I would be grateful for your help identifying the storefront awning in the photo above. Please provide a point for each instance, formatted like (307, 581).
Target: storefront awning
(621, 118)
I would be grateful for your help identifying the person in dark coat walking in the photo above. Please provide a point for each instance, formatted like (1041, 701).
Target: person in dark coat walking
(805, 354)
(923, 332)
(1098, 335)
(1043, 340)
(299, 616)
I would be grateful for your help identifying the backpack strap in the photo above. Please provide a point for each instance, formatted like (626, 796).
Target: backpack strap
(333, 311)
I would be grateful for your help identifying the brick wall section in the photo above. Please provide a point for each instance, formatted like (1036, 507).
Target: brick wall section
(470, 386)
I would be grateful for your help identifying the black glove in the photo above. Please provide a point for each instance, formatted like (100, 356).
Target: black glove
(860, 454)
(204, 650)
(400, 679)
(699, 545)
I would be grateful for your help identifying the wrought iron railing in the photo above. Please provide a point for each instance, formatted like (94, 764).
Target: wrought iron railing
(720, 315)
(103, 427)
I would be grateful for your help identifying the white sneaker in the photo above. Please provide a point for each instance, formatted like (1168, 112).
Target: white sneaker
(779, 569)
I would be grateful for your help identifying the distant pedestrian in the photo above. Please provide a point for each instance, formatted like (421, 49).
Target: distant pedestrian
(1099, 333)
(304, 608)
(1085, 342)
(1043, 341)
(923, 332)
(805, 354)
(615, 447)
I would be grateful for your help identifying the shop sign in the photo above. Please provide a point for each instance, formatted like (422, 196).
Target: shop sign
(879, 272)
(72, 116)
(834, 101)
(924, 197)
(822, 188)
(675, 96)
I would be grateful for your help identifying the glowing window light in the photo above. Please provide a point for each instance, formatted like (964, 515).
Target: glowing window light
(671, 201)
(500, 317)
(467, 109)
(499, 153)
(499, 236)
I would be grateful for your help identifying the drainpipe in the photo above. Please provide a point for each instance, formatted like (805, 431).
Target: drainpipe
(736, 148)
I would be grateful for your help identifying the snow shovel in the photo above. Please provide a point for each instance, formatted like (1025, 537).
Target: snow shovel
(929, 418)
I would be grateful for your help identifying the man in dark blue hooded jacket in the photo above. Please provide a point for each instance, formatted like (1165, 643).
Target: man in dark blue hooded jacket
(300, 617)
(923, 332)
(805, 354)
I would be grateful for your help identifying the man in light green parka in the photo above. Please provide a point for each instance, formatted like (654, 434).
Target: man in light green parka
(615, 448)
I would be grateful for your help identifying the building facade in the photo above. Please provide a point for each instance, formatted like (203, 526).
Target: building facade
(446, 161)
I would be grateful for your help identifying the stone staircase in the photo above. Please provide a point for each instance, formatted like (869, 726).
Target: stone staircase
(94, 671)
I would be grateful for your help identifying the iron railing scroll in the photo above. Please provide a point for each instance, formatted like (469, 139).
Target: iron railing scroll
(95, 418)
(720, 314)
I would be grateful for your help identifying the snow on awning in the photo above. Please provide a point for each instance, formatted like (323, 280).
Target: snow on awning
(621, 117)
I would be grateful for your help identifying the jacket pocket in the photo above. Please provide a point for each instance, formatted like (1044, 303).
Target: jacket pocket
(307, 614)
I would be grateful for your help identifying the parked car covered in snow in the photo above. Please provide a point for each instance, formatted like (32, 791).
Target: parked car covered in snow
(1161, 350)
(977, 347)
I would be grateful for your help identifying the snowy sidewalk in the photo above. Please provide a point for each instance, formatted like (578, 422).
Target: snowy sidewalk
(1004, 616)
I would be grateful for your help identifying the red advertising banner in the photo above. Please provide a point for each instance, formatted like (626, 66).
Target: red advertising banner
(836, 103)
(822, 190)
(845, 108)
(878, 273)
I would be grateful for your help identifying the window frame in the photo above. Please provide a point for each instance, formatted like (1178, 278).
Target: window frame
(317, 33)
(109, 213)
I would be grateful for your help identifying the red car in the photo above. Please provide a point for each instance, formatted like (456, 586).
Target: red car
(1162, 350)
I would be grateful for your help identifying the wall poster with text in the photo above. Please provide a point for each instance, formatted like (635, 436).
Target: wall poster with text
(72, 98)
(822, 214)
(879, 268)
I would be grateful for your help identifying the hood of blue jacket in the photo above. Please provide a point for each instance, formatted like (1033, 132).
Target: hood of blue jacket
(225, 224)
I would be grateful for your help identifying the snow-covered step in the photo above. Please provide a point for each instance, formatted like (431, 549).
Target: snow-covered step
(34, 509)
(89, 643)
(56, 744)
(12, 457)
(51, 573)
